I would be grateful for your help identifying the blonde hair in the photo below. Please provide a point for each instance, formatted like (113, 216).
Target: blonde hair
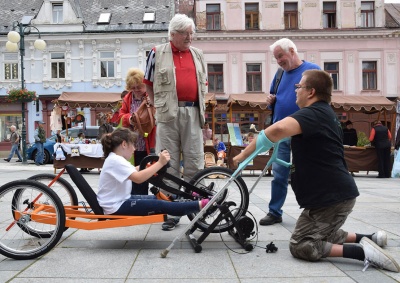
(134, 77)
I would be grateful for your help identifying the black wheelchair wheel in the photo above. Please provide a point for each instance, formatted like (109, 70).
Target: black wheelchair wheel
(237, 192)
(35, 223)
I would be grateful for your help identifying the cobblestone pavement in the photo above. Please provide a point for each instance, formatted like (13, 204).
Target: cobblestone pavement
(132, 254)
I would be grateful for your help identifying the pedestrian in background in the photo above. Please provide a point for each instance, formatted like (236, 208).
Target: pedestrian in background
(40, 139)
(130, 104)
(284, 104)
(14, 140)
(380, 136)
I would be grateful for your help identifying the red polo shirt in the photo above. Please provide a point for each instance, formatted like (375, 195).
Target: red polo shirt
(186, 81)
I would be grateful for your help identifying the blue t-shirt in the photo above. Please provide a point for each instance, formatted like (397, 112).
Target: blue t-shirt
(285, 103)
(220, 147)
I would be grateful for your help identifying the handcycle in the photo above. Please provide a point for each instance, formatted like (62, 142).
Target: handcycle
(39, 215)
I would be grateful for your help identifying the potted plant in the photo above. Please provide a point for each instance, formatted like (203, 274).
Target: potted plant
(21, 95)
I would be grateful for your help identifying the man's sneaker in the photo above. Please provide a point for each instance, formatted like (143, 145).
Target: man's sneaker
(170, 224)
(270, 219)
(380, 238)
(375, 256)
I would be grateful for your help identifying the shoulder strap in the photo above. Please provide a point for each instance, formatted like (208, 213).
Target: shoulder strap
(278, 77)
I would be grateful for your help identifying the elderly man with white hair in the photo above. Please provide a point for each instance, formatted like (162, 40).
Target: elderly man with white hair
(14, 139)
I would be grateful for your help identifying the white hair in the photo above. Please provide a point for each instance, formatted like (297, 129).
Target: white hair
(13, 127)
(285, 44)
(180, 22)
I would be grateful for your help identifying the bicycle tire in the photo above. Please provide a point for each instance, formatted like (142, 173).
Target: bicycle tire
(23, 197)
(236, 192)
(61, 187)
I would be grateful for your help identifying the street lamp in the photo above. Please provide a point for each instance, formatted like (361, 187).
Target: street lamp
(12, 45)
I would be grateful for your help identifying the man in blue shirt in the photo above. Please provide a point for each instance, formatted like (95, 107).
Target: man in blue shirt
(284, 102)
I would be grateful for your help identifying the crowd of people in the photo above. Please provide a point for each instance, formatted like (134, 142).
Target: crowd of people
(175, 83)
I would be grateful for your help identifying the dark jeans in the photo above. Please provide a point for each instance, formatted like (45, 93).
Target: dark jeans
(383, 162)
(148, 205)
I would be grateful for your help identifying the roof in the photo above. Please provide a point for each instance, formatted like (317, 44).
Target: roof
(343, 103)
(248, 99)
(89, 99)
(126, 15)
(362, 103)
(210, 99)
(392, 15)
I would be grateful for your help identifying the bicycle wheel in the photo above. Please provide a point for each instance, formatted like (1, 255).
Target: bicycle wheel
(236, 192)
(61, 187)
(34, 207)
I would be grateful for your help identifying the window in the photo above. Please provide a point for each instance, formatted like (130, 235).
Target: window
(149, 17)
(57, 13)
(290, 15)
(333, 69)
(213, 12)
(10, 66)
(6, 121)
(57, 65)
(107, 64)
(369, 75)
(104, 18)
(253, 77)
(251, 16)
(367, 14)
(329, 15)
(215, 78)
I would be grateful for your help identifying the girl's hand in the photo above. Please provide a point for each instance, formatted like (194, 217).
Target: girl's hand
(164, 157)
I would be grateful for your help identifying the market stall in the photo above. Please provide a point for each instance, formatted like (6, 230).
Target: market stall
(90, 151)
(211, 102)
(358, 158)
(364, 158)
(253, 102)
(90, 156)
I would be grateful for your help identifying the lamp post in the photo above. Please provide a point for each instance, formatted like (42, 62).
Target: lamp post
(12, 45)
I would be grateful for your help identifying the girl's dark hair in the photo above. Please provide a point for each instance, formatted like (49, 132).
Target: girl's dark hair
(112, 140)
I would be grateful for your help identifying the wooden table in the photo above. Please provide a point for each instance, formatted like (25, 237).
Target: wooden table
(91, 156)
(361, 159)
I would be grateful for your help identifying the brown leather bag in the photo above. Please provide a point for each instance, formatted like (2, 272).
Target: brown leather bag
(143, 119)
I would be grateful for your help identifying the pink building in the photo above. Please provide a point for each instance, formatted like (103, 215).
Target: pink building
(356, 41)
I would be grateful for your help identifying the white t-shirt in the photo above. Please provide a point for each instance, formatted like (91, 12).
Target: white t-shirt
(114, 185)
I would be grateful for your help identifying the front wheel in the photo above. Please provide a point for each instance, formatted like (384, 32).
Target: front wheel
(216, 178)
(34, 207)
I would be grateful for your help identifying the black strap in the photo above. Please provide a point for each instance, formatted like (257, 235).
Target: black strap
(278, 77)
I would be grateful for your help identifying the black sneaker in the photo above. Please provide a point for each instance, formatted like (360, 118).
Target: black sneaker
(270, 219)
(18, 161)
(5, 159)
(170, 224)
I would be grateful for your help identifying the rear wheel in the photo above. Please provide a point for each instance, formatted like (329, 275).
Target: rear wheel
(216, 178)
(61, 187)
(35, 211)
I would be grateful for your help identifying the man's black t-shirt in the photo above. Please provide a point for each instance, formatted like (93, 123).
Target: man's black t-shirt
(319, 172)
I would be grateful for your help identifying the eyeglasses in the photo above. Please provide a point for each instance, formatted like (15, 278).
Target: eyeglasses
(297, 86)
(185, 33)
